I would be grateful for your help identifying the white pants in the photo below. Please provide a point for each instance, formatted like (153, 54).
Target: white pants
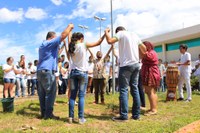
(185, 79)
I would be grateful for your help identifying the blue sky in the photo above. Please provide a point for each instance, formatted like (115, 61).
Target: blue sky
(24, 23)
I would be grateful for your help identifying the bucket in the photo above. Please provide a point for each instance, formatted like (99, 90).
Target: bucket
(8, 104)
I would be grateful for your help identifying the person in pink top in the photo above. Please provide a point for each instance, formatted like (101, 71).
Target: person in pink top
(150, 76)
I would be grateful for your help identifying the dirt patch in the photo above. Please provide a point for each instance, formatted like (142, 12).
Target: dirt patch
(190, 128)
(98, 124)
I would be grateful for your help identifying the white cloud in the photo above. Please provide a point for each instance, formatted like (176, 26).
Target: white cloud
(11, 16)
(153, 19)
(146, 18)
(58, 25)
(57, 2)
(143, 24)
(10, 48)
(88, 8)
(3, 43)
(35, 13)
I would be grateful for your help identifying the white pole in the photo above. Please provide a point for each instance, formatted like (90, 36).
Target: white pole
(100, 32)
(113, 60)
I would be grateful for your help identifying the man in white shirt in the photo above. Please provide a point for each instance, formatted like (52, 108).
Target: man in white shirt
(129, 45)
(34, 77)
(185, 73)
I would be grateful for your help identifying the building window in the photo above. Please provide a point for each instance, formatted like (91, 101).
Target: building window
(158, 49)
(191, 43)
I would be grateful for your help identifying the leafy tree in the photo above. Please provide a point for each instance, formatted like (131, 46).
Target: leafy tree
(1, 75)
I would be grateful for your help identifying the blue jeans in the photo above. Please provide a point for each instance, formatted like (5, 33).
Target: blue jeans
(20, 83)
(64, 85)
(78, 82)
(60, 87)
(128, 76)
(29, 86)
(162, 87)
(141, 91)
(46, 92)
(34, 86)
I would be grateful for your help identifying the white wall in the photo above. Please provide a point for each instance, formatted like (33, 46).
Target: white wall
(160, 56)
(175, 55)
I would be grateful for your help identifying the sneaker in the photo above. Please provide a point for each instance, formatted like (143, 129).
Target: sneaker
(71, 120)
(188, 100)
(180, 99)
(120, 119)
(137, 119)
(52, 117)
(81, 120)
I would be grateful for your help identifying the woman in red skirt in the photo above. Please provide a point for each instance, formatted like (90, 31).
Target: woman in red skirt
(150, 77)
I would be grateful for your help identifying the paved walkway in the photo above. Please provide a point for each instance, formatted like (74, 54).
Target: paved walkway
(190, 128)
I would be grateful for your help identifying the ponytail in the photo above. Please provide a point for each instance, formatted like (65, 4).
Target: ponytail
(72, 43)
(75, 37)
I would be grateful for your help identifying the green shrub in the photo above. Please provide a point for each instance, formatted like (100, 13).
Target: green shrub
(1, 75)
(194, 82)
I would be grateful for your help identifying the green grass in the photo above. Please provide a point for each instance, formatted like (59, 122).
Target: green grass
(171, 116)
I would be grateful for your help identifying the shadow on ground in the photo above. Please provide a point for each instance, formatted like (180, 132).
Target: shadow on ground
(32, 110)
(100, 117)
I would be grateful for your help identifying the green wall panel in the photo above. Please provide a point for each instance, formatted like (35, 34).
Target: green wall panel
(158, 49)
(190, 43)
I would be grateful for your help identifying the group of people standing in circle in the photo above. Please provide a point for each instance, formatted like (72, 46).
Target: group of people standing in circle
(137, 63)
(130, 47)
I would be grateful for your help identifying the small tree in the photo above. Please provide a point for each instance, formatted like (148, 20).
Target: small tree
(1, 75)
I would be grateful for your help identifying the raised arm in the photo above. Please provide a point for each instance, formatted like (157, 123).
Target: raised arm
(91, 53)
(116, 57)
(66, 50)
(66, 32)
(61, 49)
(109, 51)
(69, 37)
(115, 54)
(108, 38)
(89, 45)
(69, 41)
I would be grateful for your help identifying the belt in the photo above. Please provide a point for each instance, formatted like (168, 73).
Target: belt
(73, 70)
(44, 70)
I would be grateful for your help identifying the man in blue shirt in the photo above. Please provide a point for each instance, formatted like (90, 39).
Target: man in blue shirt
(47, 66)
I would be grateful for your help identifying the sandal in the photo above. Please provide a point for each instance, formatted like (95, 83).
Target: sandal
(148, 111)
(151, 113)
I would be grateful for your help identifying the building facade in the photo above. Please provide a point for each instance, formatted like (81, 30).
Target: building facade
(167, 45)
